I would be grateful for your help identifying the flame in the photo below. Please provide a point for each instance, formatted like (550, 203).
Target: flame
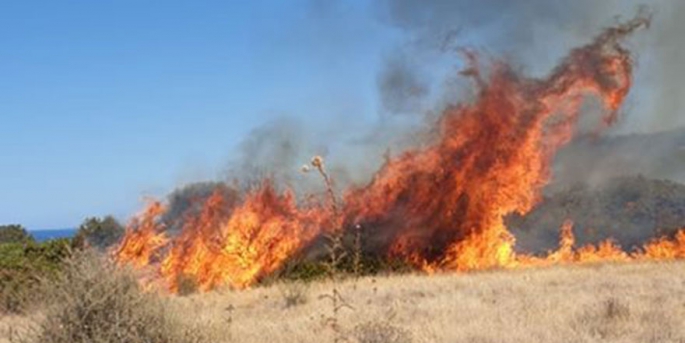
(231, 245)
(446, 203)
(660, 249)
(441, 207)
(144, 237)
(665, 249)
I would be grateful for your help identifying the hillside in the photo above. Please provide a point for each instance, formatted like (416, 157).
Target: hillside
(631, 210)
(593, 159)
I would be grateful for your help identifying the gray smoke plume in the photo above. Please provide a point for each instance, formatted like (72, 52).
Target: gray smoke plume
(272, 150)
(352, 152)
(401, 86)
(535, 34)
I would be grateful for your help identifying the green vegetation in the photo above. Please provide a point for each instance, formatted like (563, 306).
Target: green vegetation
(25, 264)
(22, 268)
(14, 234)
(99, 233)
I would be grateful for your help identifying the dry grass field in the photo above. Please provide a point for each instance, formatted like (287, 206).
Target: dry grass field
(601, 303)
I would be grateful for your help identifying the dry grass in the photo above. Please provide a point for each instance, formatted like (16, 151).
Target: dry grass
(603, 303)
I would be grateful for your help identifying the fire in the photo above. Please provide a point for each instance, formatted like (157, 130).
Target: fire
(257, 237)
(448, 202)
(442, 207)
(228, 244)
(606, 251)
(144, 237)
(665, 249)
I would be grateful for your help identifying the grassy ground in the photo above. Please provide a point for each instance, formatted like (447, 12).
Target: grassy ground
(603, 303)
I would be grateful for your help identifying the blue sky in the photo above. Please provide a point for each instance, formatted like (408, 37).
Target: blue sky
(104, 102)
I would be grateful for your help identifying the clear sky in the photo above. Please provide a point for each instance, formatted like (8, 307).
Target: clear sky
(103, 102)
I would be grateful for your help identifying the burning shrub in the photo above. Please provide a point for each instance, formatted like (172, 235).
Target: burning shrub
(92, 301)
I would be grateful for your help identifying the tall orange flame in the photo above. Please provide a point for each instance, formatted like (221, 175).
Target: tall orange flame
(144, 238)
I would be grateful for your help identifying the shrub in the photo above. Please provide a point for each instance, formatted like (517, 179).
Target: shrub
(15, 291)
(14, 234)
(98, 233)
(93, 301)
(23, 266)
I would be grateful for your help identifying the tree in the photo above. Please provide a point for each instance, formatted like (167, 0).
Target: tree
(99, 233)
(14, 234)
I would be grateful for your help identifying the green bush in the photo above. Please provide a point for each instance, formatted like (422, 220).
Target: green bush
(23, 266)
(99, 233)
(14, 234)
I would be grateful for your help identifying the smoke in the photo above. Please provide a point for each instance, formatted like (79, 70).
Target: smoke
(189, 200)
(594, 161)
(353, 151)
(535, 34)
(401, 86)
(417, 78)
(272, 150)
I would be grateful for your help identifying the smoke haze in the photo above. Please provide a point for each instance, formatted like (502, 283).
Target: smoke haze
(417, 77)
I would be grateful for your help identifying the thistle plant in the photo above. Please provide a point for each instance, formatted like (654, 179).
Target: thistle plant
(335, 249)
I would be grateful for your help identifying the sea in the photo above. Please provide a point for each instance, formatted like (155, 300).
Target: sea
(45, 235)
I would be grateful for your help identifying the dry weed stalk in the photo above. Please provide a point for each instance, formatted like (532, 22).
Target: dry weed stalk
(336, 253)
(357, 257)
